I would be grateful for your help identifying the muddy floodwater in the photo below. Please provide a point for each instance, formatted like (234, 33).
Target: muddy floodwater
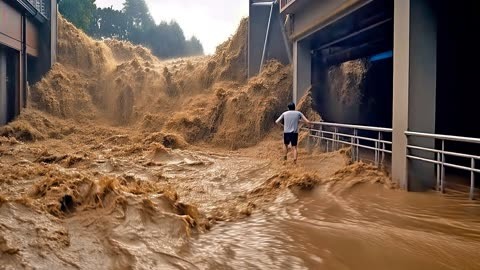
(365, 228)
(229, 210)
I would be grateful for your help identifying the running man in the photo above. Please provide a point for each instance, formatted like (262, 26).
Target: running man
(290, 128)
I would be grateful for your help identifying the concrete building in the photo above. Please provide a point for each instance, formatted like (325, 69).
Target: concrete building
(419, 79)
(28, 38)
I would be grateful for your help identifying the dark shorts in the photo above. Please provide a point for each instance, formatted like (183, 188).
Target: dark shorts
(290, 138)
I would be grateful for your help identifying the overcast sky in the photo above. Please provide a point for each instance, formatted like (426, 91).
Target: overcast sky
(211, 21)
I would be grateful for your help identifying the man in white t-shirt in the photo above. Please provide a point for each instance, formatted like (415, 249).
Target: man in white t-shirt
(290, 128)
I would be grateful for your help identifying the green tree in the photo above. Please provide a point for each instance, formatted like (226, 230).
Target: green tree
(167, 40)
(194, 47)
(139, 21)
(133, 23)
(109, 23)
(79, 12)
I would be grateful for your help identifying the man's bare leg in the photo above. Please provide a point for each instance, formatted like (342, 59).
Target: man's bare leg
(294, 154)
(286, 151)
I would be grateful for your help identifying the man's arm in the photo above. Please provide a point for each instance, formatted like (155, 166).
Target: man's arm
(305, 120)
(279, 119)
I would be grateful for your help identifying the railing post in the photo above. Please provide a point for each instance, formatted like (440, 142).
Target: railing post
(438, 172)
(407, 152)
(309, 139)
(383, 148)
(442, 179)
(320, 135)
(358, 147)
(335, 143)
(472, 180)
(352, 141)
(377, 150)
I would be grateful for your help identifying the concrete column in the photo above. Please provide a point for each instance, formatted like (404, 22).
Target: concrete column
(47, 47)
(53, 31)
(23, 64)
(414, 89)
(22, 90)
(3, 87)
(302, 69)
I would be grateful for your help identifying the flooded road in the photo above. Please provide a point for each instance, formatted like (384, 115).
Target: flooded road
(158, 208)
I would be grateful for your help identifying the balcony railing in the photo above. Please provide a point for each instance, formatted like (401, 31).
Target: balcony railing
(41, 6)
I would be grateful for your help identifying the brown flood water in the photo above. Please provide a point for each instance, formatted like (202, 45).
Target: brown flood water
(368, 227)
(346, 220)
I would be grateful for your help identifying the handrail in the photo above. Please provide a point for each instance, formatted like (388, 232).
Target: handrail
(443, 137)
(352, 136)
(335, 138)
(443, 152)
(440, 162)
(445, 164)
(370, 128)
(354, 144)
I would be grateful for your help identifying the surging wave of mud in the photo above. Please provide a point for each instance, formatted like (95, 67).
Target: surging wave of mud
(341, 181)
(345, 80)
(201, 99)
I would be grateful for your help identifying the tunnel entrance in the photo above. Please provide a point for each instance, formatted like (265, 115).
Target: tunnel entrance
(356, 92)
(352, 71)
(352, 67)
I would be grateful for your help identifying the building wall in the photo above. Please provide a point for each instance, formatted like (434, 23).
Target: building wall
(32, 38)
(27, 50)
(10, 26)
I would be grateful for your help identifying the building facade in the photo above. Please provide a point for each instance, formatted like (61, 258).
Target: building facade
(418, 57)
(28, 38)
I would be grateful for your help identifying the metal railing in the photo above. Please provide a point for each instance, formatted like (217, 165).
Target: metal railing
(335, 135)
(440, 154)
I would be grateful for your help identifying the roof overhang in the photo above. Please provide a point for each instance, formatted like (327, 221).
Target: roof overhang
(291, 6)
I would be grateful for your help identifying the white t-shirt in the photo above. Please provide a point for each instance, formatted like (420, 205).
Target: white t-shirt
(290, 121)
